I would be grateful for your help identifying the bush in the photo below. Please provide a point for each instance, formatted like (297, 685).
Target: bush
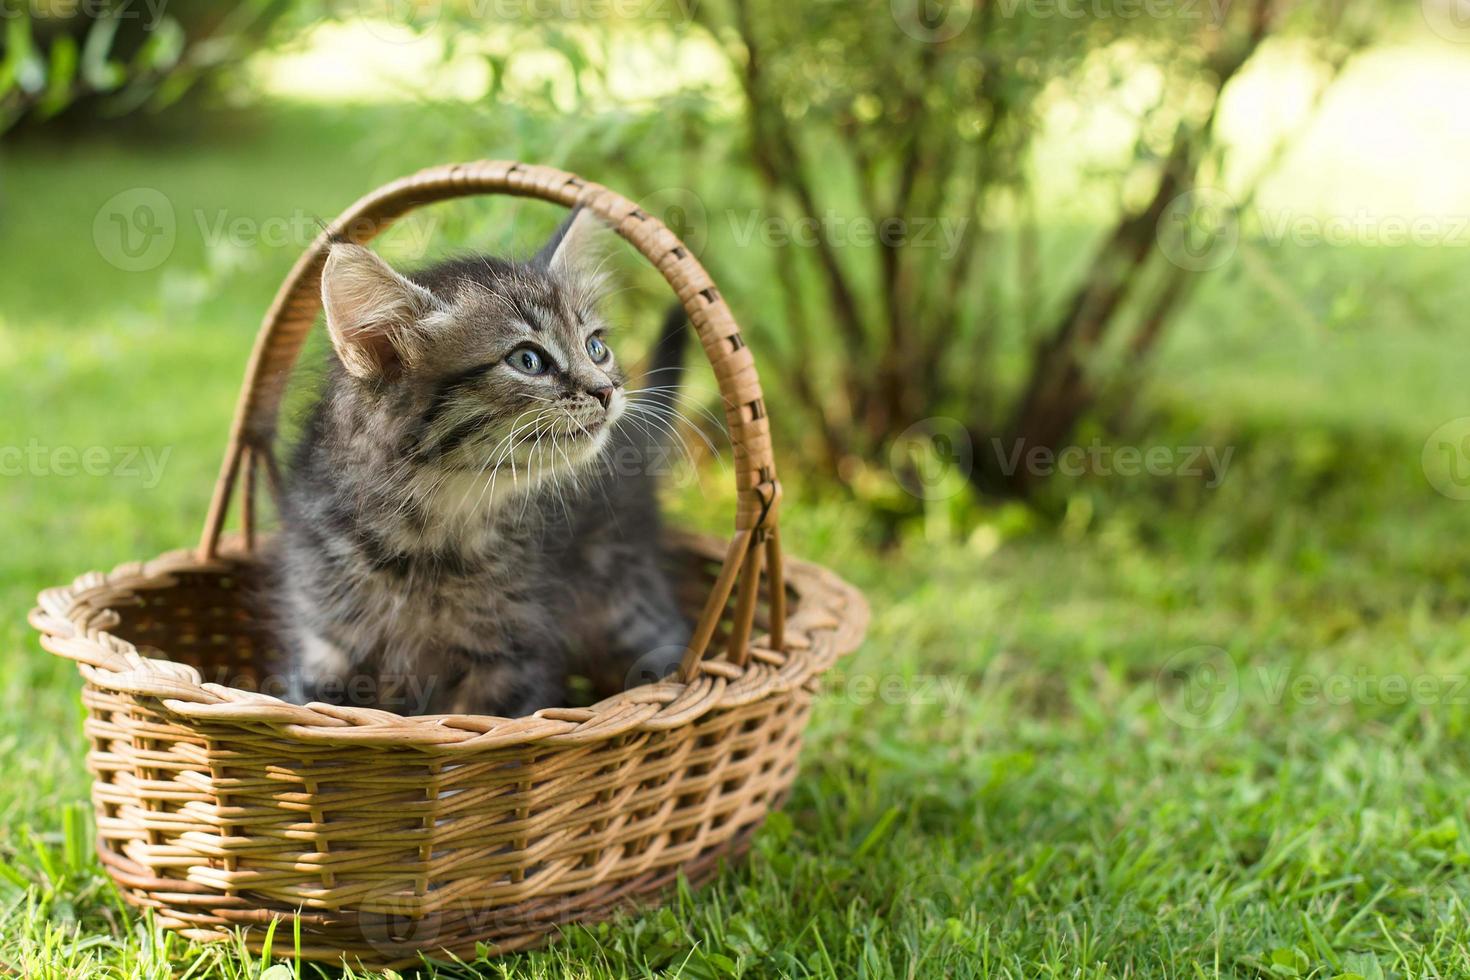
(90, 59)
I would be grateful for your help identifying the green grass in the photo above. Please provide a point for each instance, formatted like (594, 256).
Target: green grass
(1011, 778)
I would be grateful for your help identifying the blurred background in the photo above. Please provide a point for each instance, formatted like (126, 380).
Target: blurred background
(1116, 348)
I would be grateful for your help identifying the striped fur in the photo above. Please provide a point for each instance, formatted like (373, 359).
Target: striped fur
(457, 533)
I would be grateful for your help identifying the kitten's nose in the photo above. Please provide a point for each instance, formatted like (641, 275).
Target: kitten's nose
(603, 394)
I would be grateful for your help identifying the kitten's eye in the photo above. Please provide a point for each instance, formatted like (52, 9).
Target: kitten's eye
(527, 361)
(596, 349)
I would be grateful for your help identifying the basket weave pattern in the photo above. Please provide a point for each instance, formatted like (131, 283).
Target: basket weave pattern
(219, 806)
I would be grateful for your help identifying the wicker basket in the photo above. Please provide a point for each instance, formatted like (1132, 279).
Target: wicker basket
(387, 836)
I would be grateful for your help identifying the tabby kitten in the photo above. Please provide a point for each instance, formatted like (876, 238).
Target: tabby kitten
(465, 513)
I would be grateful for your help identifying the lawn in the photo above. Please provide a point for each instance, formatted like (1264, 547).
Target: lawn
(1152, 728)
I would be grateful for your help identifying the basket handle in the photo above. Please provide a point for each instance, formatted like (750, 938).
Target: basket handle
(298, 301)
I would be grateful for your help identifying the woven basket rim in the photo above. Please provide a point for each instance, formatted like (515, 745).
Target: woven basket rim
(74, 621)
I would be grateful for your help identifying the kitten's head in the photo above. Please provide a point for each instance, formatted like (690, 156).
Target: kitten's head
(481, 364)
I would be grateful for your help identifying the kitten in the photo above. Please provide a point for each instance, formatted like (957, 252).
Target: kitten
(471, 506)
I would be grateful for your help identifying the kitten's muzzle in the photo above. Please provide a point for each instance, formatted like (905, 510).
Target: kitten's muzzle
(603, 394)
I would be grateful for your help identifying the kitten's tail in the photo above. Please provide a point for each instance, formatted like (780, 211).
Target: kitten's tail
(667, 363)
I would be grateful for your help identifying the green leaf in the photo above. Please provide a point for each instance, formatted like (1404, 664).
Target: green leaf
(163, 49)
(779, 826)
(1288, 961)
(24, 68)
(879, 831)
(75, 838)
(14, 877)
(63, 73)
(98, 70)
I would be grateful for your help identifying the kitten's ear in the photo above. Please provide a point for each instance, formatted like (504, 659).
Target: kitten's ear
(574, 247)
(373, 313)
